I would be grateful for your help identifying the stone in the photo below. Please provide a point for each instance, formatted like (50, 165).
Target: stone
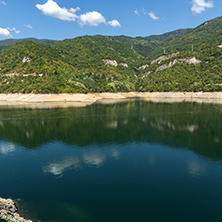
(8, 210)
(164, 57)
(110, 62)
(144, 66)
(124, 64)
(26, 59)
(146, 74)
(192, 60)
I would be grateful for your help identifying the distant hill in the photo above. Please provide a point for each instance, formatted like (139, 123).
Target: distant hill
(182, 60)
(202, 33)
(8, 42)
(146, 45)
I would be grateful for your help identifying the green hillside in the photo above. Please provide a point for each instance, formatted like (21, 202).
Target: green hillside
(8, 42)
(192, 62)
(43, 59)
(146, 45)
(203, 33)
(2, 47)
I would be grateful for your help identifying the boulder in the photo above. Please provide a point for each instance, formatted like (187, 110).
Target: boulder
(110, 62)
(8, 210)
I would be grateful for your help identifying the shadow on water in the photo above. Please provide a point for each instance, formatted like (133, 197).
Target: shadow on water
(197, 127)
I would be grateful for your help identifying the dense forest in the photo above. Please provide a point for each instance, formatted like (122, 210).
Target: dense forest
(182, 60)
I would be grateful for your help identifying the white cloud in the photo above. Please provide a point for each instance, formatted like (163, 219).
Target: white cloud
(153, 16)
(94, 18)
(114, 23)
(52, 9)
(5, 33)
(28, 26)
(200, 6)
(136, 11)
(145, 12)
(3, 3)
(91, 18)
(74, 10)
(14, 29)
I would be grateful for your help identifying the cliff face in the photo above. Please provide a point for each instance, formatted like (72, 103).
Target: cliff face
(8, 210)
(186, 60)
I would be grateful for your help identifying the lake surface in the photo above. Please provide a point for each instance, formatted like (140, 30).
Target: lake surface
(125, 162)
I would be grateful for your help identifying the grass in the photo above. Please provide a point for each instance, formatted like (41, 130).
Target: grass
(4, 219)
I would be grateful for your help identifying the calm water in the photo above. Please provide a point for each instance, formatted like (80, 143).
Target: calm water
(125, 162)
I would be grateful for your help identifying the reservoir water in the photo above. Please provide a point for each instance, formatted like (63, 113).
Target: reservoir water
(134, 161)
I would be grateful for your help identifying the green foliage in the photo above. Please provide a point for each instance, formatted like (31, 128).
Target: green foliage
(4, 219)
(78, 65)
(146, 45)
(8, 42)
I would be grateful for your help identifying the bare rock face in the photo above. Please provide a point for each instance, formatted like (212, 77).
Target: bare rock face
(163, 58)
(110, 62)
(144, 66)
(145, 74)
(26, 59)
(187, 60)
(9, 211)
(124, 64)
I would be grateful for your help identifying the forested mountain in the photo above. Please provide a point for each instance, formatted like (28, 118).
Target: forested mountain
(146, 45)
(8, 42)
(182, 60)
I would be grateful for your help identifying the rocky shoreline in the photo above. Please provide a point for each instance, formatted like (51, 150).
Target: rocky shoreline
(9, 211)
(81, 100)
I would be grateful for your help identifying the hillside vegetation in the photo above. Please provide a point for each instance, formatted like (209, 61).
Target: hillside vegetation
(182, 60)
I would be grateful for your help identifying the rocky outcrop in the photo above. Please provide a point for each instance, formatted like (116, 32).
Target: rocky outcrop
(146, 74)
(164, 57)
(114, 63)
(124, 64)
(187, 60)
(144, 66)
(110, 62)
(26, 59)
(8, 210)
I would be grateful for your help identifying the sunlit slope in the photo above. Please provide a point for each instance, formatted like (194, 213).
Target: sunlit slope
(28, 57)
(146, 45)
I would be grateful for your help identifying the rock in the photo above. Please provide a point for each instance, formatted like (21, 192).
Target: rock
(110, 62)
(187, 60)
(163, 58)
(8, 210)
(26, 59)
(144, 66)
(124, 64)
(146, 74)
(164, 66)
(193, 61)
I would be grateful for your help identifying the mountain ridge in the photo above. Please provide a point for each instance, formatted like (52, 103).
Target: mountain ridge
(117, 63)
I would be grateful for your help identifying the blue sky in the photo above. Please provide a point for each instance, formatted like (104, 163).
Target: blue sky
(61, 19)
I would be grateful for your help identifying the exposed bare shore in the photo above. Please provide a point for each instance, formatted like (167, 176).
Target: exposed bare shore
(8, 210)
(81, 100)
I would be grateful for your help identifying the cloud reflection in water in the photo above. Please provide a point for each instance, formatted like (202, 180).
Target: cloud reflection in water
(7, 148)
(196, 169)
(94, 159)
(57, 168)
